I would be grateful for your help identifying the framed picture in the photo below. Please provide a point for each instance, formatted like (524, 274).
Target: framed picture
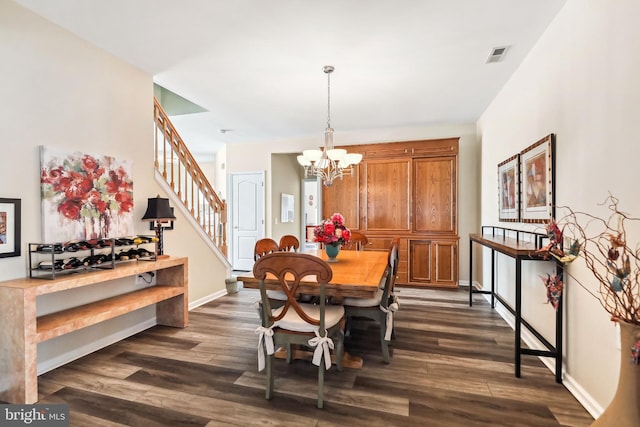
(509, 190)
(537, 181)
(286, 208)
(9, 228)
(167, 225)
(84, 196)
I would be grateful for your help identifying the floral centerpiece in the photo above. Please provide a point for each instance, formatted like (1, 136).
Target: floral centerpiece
(332, 231)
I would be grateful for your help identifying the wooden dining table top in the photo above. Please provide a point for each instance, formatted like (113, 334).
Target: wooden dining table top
(355, 274)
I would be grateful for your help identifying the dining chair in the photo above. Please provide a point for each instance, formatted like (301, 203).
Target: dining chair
(357, 242)
(288, 243)
(318, 326)
(264, 247)
(382, 306)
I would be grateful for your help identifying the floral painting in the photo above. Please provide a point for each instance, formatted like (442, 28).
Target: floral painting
(85, 196)
(538, 181)
(508, 188)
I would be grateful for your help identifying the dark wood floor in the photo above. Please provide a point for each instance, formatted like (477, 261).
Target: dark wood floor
(452, 366)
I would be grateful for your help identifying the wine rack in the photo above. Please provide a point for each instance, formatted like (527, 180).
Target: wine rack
(50, 260)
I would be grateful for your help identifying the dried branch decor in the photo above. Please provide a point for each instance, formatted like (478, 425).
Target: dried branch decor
(613, 261)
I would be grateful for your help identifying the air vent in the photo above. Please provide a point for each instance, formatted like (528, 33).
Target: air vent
(497, 54)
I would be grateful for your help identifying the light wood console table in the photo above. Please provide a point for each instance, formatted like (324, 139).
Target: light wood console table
(21, 329)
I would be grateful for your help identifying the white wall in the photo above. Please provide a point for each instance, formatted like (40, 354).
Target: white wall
(579, 82)
(60, 91)
(468, 171)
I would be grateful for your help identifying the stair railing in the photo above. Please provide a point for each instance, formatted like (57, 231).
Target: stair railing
(177, 165)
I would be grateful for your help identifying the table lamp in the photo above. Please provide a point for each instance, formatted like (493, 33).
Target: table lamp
(158, 210)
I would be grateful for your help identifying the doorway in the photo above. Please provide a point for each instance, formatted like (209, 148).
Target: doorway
(247, 199)
(311, 214)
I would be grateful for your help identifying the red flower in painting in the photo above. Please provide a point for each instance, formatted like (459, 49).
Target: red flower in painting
(78, 186)
(88, 188)
(125, 200)
(90, 164)
(70, 208)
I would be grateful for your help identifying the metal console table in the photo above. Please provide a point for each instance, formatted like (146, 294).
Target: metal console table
(522, 247)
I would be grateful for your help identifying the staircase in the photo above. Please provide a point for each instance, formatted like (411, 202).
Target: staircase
(175, 163)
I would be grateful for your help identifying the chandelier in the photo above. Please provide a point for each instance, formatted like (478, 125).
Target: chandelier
(330, 163)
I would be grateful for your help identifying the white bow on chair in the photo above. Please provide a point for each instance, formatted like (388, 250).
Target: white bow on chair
(322, 345)
(393, 307)
(265, 335)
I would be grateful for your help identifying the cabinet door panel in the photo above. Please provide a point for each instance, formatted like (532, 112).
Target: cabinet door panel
(445, 262)
(420, 261)
(434, 201)
(386, 195)
(342, 197)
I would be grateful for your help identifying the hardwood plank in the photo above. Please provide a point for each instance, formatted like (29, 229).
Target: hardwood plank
(451, 365)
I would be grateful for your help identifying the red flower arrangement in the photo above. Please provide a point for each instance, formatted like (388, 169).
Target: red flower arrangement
(332, 231)
(84, 188)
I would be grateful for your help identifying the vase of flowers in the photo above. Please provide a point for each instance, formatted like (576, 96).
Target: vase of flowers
(615, 264)
(332, 233)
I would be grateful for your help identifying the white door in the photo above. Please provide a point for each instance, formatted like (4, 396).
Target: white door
(247, 217)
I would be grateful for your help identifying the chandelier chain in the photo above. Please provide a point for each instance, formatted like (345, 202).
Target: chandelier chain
(329, 99)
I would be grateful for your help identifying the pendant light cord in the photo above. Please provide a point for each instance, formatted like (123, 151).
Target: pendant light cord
(329, 99)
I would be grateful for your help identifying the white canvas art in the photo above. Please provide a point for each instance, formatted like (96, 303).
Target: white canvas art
(84, 196)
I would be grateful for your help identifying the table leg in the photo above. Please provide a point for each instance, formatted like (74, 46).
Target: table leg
(518, 316)
(470, 273)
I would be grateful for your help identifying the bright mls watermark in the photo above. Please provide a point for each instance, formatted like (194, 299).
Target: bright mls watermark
(54, 415)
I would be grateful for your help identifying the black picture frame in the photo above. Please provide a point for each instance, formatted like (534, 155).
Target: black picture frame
(10, 214)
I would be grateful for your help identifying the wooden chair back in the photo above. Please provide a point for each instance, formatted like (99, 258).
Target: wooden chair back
(394, 259)
(264, 247)
(357, 242)
(289, 243)
(289, 268)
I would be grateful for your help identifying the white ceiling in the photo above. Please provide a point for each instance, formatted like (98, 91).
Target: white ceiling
(256, 65)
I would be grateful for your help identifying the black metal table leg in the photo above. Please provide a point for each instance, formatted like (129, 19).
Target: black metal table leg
(470, 273)
(518, 316)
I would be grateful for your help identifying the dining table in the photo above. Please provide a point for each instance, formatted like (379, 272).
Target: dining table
(356, 274)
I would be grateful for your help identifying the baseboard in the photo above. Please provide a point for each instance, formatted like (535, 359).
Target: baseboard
(585, 399)
(211, 297)
(465, 284)
(582, 396)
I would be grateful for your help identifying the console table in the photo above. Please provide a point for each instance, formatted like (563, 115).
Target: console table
(22, 329)
(521, 246)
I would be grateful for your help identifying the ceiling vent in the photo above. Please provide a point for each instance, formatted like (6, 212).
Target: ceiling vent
(497, 54)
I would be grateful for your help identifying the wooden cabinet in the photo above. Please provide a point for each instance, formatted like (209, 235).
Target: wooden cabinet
(434, 201)
(407, 190)
(434, 262)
